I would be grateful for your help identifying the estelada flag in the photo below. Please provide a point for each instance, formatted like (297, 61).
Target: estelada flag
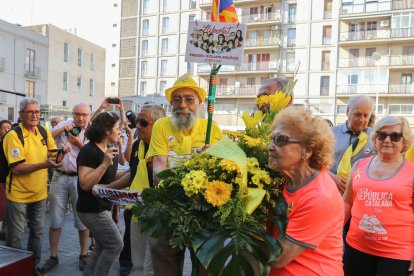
(226, 13)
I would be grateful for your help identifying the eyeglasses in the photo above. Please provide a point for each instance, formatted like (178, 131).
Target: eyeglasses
(394, 136)
(188, 100)
(283, 140)
(143, 122)
(80, 114)
(32, 112)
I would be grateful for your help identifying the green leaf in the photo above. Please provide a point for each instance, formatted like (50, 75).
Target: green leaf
(210, 248)
(166, 173)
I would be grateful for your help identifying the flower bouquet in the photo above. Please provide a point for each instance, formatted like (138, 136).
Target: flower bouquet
(218, 204)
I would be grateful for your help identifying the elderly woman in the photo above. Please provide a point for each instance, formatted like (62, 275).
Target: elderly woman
(379, 200)
(302, 149)
(97, 163)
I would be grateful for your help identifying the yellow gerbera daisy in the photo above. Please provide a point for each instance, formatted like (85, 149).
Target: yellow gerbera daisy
(217, 193)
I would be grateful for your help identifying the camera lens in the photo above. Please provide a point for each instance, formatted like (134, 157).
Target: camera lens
(75, 131)
(131, 118)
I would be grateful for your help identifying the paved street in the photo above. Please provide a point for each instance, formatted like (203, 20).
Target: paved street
(69, 249)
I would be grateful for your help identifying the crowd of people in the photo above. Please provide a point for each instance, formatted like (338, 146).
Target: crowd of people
(349, 187)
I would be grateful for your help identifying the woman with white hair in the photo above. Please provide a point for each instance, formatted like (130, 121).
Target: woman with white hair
(379, 200)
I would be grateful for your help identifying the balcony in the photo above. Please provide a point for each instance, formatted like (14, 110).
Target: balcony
(402, 32)
(366, 61)
(261, 17)
(291, 42)
(326, 40)
(401, 89)
(402, 60)
(362, 89)
(262, 41)
(209, 2)
(244, 67)
(377, 34)
(31, 71)
(377, 7)
(231, 91)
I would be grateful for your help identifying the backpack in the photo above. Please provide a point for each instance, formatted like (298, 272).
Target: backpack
(4, 165)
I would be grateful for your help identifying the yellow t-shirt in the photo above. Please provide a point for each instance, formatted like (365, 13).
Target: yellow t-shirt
(29, 187)
(167, 139)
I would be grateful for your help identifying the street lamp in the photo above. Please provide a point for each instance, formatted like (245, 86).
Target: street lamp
(377, 57)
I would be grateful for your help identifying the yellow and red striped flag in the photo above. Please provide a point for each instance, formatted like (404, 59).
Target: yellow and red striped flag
(227, 12)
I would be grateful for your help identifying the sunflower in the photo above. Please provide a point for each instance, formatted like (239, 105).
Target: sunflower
(217, 193)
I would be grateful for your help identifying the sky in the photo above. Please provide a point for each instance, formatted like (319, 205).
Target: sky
(91, 18)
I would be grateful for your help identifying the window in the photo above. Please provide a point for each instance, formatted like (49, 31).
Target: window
(380, 109)
(92, 63)
(164, 46)
(191, 17)
(30, 62)
(352, 79)
(79, 85)
(320, 108)
(341, 109)
(327, 9)
(145, 26)
(291, 38)
(144, 68)
(30, 89)
(64, 103)
(222, 82)
(80, 57)
(163, 85)
(190, 68)
(406, 82)
(65, 81)
(115, 5)
(10, 114)
(408, 55)
(192, 4)
(401, 109)
(165, 23)
(292, 13)
(327, 35)
(66, 52)
(114, 25)
(164, 5)
(91, 87)
(324, 89)
(145, 6)
(326, 60)
(164, 64)
(145, 47)
(369, 52)
(290, 62)
(251, 82)
(143, 88)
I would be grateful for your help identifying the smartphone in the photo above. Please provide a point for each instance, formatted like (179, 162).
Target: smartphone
(113, 100)
(59, 156)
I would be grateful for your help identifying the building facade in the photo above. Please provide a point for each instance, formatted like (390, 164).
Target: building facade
(76, 71)
(23, 68)
(334, 48)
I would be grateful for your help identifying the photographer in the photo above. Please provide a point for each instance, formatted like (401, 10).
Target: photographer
(64, 181)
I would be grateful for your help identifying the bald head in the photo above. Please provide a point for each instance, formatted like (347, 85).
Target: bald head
(81, 114)
(359, 111)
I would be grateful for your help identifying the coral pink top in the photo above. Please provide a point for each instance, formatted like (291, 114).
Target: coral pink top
(382, 222)
(315, 222)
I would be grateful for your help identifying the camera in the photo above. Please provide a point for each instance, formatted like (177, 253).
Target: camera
(131, 118)
(74, 131)
(59, 156)
(113, 100)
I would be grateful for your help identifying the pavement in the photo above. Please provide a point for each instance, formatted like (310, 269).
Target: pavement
(68, 251)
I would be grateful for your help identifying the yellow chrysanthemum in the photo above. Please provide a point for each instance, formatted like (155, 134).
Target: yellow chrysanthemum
(252, 165)
(217, 193)
(233, 134)
(279, 101)
(194, 182)
(261, 177)
(253, 142)
(252, 121)
(228, 165)
(262, 100)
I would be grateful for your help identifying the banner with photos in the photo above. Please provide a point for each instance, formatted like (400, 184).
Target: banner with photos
(118, 196)
(215, 42)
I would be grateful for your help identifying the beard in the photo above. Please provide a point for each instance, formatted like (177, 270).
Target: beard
(184, 119)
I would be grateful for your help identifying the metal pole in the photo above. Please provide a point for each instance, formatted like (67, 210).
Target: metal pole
(377, 57)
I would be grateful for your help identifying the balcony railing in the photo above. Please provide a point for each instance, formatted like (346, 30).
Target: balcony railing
(402, 60)
(231, 91)
(362, 88)
(362, 62)
(365, 35)
(248, 66)
(401, 89)
(31, 72)
(326, 40)
(402, 32)
(402, 5)
(291, 42)
(325, 66)
(366, 7)
(327, 15)
(260, 17)
(209, 2)
(269, 41)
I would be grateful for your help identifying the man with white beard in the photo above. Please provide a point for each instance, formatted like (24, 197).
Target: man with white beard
(182, 134)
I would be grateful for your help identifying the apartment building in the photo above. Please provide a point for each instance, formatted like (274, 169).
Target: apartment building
(153, 37)
(376, 55)
(23, 68)
(334, 48)
(76, 71)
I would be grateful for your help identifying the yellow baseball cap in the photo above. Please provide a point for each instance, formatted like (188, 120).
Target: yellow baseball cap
(185, 81)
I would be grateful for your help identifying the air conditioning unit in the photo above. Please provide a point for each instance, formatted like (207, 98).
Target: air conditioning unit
(384, 23)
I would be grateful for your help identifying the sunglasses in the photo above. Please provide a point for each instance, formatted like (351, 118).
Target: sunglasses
(143, 122)
(394, 136)
(283, 140)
